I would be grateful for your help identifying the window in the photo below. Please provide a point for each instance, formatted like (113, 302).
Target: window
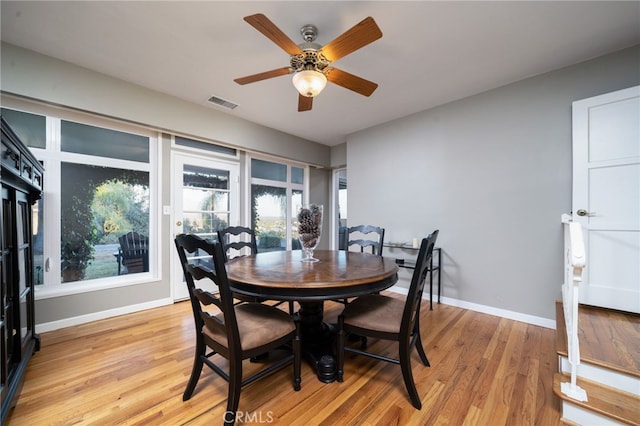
(99, 205)
(340, 200)
(98, 190)
(30, 128)
(276, 191)
(205, 200)
(204, 146)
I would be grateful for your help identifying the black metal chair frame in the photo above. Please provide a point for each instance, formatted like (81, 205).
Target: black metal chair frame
(214, 269)
(408, 336)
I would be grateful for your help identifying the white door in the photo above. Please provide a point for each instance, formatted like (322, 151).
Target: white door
(606, 196)
(205, 198)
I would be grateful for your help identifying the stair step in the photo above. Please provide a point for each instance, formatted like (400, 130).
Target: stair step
(606, 402)
(608, 339)
(609, 369)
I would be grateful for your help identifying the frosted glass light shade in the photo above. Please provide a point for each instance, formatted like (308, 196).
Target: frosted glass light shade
(309, 82)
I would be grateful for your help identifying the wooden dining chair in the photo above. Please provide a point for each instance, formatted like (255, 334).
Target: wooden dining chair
(389, 318)
(234, 332)
(241, 241)
(368, 238)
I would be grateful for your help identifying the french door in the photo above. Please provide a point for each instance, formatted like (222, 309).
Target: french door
(205, 199)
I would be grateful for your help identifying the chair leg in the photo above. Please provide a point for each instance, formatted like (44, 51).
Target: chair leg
(195, 371)
(297, 358)
(235, 385)
(421, 352)
(405, 365)
(340, 349)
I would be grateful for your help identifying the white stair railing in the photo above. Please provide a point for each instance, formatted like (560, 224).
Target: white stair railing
(574, 263)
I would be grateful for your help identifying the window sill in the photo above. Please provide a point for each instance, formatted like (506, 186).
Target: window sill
(78, 287)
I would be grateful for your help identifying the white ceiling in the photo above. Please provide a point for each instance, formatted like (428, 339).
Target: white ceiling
(431, 52)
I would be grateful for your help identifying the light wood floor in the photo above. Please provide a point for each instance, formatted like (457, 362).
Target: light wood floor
(132, 370)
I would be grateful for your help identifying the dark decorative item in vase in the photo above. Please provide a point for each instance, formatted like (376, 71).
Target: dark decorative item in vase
(309, 229)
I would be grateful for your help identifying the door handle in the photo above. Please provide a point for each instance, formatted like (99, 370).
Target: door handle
(583, 212)
(178, 223)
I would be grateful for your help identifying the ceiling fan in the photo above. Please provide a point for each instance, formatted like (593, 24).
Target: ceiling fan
(310, 63)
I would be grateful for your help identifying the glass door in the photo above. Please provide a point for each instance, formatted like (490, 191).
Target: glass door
(205, 199)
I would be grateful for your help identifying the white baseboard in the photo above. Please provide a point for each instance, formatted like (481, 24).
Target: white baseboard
(503, 313)
(94, 316)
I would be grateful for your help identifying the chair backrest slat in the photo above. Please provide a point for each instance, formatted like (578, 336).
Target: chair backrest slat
(235, 239)
(368, 238)
(213, 323)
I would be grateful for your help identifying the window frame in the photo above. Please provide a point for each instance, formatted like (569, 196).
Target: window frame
(52, 158)
(288, 185)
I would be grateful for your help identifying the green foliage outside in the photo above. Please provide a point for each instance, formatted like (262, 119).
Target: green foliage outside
(78, 238)
(269, 231)
(118, 208)
(98, 205)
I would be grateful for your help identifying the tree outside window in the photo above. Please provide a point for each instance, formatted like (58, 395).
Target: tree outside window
(99, 204)
(276, 190)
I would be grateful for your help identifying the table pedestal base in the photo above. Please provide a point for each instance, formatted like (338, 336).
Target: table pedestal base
(318, 341)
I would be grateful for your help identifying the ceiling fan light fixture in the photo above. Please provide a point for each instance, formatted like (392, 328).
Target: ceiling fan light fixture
(309, 82)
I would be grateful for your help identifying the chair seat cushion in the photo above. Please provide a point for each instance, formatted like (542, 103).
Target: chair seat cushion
(258, 324)
(375, 312)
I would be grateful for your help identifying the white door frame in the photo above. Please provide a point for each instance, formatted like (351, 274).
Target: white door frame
(178, 160)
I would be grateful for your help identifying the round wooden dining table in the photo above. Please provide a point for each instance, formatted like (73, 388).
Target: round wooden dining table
(338, 274)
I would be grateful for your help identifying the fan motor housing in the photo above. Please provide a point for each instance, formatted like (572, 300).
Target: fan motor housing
(310, 58)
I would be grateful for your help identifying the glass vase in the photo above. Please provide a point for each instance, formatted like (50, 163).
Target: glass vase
(309, 222)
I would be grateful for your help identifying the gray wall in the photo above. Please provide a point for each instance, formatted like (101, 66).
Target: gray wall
(493, 173)
(320, 193)
(339, 156)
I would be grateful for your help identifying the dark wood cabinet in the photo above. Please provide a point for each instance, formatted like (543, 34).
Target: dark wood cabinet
(21, 175)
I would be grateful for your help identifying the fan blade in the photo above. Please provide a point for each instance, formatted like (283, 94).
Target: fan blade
(304, 103)
(358, 36)
(263, 75)
(350, 81)
(273, 33)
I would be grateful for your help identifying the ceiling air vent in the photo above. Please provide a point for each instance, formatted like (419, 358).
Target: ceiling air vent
(222, 102)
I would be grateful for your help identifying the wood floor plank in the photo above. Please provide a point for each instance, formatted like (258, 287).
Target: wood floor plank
(547, 405)
(524, 409)
(132, 370)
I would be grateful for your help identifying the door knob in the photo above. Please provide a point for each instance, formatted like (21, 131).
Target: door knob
(583, 212)
(178, 223)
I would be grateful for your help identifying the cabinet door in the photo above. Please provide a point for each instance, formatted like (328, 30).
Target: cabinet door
(4, 299)
(24, 294)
